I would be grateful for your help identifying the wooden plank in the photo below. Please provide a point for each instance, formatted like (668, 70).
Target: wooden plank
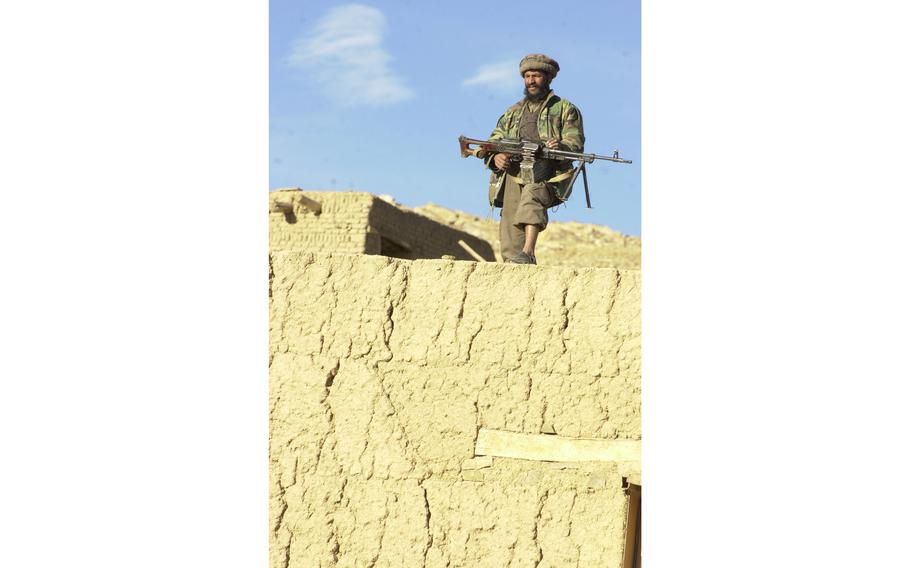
(542, 447)
(632, 549)
(471, 251)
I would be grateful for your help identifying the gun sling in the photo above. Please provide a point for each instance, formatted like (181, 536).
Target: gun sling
(554, 179)
(573, 173)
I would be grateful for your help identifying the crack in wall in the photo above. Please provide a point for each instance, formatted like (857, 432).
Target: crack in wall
(616, 352)
(427, 519)
(471, 341)
(330, 376)
(571, 514)
(565, 319)
(464, 297)
(534, 537)
(382, 530)
(335, 549)
(613, 294)
(394, 302)
(408, 444)
(366, 445)
(276, 526)
(287, 552)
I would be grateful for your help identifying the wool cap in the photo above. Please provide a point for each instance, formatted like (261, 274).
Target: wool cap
(538, 62)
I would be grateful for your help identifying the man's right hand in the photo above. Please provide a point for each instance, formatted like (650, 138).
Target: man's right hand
(501, 161)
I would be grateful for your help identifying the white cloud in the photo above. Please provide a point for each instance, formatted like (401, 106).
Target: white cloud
(501, 77)
(344, 54)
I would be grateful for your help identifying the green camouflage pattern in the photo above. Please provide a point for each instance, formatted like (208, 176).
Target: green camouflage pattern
(558, 119)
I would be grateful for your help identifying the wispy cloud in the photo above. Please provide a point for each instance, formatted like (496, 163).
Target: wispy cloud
(501, 77)
(344, 54)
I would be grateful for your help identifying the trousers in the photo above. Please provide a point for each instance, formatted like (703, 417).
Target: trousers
(522, 205)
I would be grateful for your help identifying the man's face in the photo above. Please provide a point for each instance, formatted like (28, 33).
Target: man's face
(537, 83)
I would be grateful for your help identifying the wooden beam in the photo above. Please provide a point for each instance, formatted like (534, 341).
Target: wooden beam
(542, 447)
(471, 251)
(631, 557)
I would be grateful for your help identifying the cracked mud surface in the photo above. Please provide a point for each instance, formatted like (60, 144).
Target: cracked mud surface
(381, 373)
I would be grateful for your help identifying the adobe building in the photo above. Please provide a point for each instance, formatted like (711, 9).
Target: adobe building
(361, 223)
(420, 417)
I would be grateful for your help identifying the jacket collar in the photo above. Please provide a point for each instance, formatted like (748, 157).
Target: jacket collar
(546, 102)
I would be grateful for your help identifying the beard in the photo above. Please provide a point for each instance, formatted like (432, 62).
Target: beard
(541, 95)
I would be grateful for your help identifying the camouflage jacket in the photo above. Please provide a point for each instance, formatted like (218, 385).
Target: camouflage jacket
(558, 119)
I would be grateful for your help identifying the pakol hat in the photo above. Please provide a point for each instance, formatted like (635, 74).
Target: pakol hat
(538, 62)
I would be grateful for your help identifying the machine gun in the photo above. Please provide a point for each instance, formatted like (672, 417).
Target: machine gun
(528, 153)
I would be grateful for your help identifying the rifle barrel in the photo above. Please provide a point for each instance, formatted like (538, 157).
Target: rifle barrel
(614, 158)
(587, 157)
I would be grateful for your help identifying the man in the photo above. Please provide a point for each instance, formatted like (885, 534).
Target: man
(539, 116)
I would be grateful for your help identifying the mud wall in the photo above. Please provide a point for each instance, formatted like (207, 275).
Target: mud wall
(382, 373)
(361, 223)
(339, 222)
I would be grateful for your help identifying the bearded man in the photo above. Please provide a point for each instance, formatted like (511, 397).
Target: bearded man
(539, 116)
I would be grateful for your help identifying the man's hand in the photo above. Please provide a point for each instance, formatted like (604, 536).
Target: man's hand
(501, 161)
(553, 144)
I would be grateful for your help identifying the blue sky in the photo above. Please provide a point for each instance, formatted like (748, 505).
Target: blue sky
(372, 96)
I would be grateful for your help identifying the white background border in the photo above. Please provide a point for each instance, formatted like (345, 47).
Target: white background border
(135, 352)
(775, 305)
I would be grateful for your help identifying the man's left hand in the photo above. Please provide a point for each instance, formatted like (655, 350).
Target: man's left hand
(553, 144)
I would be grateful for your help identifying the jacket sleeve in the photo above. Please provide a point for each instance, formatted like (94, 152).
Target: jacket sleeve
(573, 132)
(498, 132)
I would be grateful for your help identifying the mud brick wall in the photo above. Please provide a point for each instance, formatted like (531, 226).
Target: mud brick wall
(361, 223)
(424, 236)
(340, 226)
(382, 372)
